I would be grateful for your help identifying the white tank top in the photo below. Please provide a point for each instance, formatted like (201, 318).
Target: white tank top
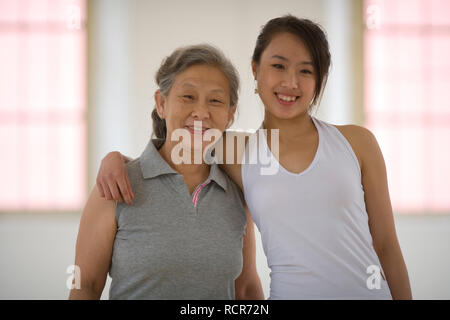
(314, 225)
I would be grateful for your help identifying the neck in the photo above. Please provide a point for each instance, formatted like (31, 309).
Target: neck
(183, 168)
(290, 129)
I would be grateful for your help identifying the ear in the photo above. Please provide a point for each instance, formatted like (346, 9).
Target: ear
(254, 69)
(231, 113)
(160, 101)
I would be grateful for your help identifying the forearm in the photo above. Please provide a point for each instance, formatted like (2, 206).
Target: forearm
(394, 267)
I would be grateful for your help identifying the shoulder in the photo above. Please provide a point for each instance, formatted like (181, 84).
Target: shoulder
(97, 201)
(98, 210)
(133, 164)
(234, 143)
(356, 133)
(361, 139)
(134, 169)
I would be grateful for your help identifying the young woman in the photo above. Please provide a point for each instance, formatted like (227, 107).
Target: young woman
(325, 216)
(183, 237)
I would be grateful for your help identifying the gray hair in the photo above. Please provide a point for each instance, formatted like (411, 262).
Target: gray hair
(183, 58)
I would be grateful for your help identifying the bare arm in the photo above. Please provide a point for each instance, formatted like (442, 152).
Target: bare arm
(95, 241)
(379, 209)
(248, 285)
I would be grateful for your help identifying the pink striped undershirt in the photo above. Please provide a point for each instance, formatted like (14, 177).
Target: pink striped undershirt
(197, 192)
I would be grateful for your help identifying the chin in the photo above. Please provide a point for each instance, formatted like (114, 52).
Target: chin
(287, 114)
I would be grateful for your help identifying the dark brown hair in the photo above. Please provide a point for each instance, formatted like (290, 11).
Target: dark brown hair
(312, 35)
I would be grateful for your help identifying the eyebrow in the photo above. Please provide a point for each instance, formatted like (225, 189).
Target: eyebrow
(276, 56)
(190, 85)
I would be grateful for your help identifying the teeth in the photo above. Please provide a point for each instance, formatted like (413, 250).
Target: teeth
(198, 128)
(286, 98)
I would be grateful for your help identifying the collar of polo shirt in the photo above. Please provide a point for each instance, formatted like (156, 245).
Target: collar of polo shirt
(153, 165)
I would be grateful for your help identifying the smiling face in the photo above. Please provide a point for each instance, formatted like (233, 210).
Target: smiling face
(286, 77)
(199, 93)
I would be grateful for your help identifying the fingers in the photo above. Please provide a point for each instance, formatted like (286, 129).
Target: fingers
(109, 190)
(112, 179)
(108, 195)
(114, 190)
(125, 189)
(129, 186)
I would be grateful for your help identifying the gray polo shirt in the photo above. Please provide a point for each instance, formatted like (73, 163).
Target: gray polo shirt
(173, 245)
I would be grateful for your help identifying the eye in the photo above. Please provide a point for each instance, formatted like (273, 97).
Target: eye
(278, 66)
(188, 97)
(216, 101)
(306, 71)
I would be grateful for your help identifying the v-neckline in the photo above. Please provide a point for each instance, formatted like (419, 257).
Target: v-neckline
(311, 165)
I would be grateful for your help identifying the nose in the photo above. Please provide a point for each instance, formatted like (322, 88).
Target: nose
(200, 111)
(291, 80)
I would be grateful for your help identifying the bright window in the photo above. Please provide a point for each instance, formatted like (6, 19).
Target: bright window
(42, 104)
(407, 98)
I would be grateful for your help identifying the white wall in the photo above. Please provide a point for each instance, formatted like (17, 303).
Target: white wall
(128, 40)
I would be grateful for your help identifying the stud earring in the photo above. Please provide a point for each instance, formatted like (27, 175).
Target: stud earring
(256, 87)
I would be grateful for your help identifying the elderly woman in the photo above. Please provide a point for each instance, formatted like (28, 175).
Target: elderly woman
(185, 235)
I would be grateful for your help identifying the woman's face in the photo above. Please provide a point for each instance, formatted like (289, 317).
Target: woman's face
(199, 93)
(286, 77)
